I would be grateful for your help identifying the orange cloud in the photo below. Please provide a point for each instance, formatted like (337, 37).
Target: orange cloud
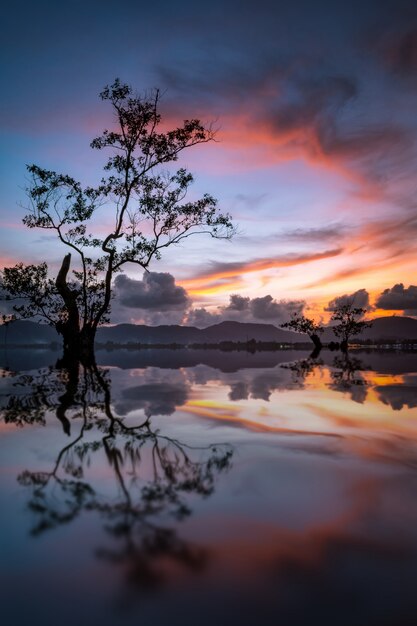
(230, 270)
(211, 288)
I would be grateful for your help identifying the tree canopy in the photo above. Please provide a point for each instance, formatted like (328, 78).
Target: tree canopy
(302, 324)
(347, 322)
(146, 199)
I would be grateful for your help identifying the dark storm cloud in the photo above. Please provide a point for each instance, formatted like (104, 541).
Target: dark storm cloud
(398, 298)
(202, 318)
(359, 298)
(243, 309)
(157, 290)
(154, 300)
(238, 303)
(265, 308)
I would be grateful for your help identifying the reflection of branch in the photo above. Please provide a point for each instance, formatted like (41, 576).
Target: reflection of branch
(32, 399)
(347, 377)
(303, 368)
(348, 367)
(178, 470)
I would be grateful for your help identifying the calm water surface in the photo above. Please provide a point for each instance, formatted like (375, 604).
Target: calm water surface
(186, 487)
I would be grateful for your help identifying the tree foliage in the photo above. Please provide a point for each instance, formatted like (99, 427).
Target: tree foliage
(302, 324)
(346, 322)
(147, 202)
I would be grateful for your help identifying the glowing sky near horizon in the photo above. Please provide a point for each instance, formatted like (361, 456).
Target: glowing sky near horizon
(315, 108)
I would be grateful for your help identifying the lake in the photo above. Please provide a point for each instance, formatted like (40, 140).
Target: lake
(188, 487)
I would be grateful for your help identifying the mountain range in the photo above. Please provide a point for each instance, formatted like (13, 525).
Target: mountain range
(27, 333)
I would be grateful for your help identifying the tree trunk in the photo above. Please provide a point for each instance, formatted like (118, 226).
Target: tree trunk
(317, 341)
(81, 348)
(78, 342)
(69, 328)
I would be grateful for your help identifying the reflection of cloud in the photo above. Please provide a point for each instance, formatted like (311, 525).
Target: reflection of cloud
(154, 399)
(315, 565)
(153, 390)
(263, 385)
(398, 396)
(247, 384)
(260, 386)
(355, 388)
(238, 391)
(230, 416)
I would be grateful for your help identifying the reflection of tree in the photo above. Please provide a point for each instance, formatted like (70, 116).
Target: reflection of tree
(33, 396)
(347, 377)
(345, 374)
(301, 370)
(154, 475)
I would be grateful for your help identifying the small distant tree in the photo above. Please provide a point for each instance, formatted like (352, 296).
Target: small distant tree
(302, 324)
(348, 323)
(148, 209)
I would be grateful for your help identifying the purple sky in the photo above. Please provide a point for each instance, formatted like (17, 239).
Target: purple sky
(316, 160)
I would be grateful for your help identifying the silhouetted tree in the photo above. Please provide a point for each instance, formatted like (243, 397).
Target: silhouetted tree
(149, 214)
(348, 323)
(302, 324)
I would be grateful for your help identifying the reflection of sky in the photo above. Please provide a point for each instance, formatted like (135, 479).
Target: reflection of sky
(315, 106)
(318, 501)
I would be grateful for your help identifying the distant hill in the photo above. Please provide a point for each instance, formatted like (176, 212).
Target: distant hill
(225, 331)
(392, 328)
(28, 333)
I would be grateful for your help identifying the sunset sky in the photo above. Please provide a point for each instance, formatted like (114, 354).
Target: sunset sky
(315, 105)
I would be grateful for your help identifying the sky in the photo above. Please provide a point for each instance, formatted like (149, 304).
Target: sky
(315, 159)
